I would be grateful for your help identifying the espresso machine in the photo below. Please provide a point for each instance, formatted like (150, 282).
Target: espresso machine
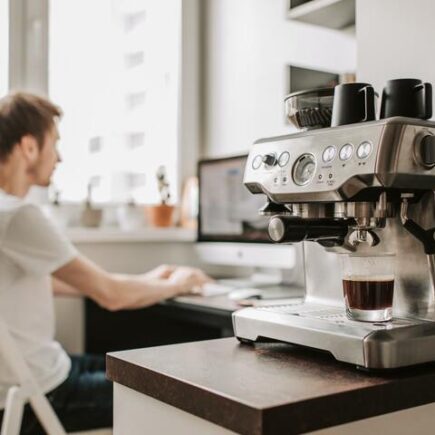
(360, 187)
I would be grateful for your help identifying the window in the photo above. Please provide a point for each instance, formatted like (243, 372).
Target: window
(4, 47)
(114, 70)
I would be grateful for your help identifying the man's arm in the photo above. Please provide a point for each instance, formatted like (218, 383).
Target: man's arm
(61, 288)
(115, 292)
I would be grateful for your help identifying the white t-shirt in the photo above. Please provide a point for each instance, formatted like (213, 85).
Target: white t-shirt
(31, 248)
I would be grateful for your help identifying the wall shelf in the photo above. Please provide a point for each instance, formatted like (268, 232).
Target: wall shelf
(305, 78)
(116, 235)
(335, 14)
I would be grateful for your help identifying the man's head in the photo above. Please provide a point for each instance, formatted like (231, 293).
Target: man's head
(28, 132)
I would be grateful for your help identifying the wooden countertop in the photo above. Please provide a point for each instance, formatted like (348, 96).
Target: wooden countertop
(267, 389)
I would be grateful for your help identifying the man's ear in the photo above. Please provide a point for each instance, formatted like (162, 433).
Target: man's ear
(29, 148)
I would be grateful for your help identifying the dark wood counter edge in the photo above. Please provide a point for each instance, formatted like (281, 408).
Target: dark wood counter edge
(292, 418)
(190, 398)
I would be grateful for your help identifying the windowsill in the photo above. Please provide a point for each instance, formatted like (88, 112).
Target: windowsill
(116, 235)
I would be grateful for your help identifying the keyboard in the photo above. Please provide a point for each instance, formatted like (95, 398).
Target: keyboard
(215, 289)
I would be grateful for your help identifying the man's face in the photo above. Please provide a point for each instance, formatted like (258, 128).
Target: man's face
(48, 157)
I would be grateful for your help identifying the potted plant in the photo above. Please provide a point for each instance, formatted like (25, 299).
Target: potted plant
(91, 216)
(161, 215)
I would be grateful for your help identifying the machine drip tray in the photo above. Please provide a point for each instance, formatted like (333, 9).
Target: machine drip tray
(334, 315)
(397, 343)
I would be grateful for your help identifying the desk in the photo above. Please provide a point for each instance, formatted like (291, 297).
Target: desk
(179, 320)
(165, 323)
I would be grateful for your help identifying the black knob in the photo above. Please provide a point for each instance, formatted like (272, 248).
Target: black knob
(270, 159)
(290, 230)
(427, 151)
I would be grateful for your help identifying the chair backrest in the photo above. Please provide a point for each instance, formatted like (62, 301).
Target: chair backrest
(14, 359)
(28, 386)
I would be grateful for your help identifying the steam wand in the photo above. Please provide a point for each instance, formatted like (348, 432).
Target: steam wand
(426, 237)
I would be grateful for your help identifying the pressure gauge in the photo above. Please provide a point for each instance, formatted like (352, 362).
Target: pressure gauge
(304, 169)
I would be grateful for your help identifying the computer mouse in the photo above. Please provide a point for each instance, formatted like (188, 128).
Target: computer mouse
(245, 293)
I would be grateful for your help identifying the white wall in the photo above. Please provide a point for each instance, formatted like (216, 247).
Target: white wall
(248, 45)
(189, 121)
(395, 40)
(4, 44)
(28, 45)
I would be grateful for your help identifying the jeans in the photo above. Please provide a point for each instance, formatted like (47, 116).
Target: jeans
(83, 402)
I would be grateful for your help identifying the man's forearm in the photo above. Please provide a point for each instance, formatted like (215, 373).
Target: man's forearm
(61, 288)
(116, 292)
(131, 292)
(121, 291)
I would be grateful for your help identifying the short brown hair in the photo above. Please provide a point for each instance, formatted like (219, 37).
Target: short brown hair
(24, 114)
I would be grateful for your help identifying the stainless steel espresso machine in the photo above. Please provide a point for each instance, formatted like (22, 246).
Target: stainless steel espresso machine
(362, 187)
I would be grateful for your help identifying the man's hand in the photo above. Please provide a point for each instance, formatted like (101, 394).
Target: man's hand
(185, 279)
(188, 280)
(164, 271)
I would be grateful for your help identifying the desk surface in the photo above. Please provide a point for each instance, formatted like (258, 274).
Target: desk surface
(224, 303)
(221, 302)
(267, 389)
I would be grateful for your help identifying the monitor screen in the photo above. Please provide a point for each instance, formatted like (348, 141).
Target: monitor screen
(227, 210)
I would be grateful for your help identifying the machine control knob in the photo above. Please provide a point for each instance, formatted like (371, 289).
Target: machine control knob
(364, 149)
(304, 169)
(270, 159)
(427, 151)
(329, 154)
(284, 158)
(256, 163)
(346, 151)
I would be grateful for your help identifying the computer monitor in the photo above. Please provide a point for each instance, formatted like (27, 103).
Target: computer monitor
(230, 230)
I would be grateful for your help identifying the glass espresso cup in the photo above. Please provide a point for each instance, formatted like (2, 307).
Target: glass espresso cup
(368, 286)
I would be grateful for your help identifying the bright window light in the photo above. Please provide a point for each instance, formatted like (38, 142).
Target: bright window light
(114, 70)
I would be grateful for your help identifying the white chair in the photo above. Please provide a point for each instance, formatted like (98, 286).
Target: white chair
(27, 390)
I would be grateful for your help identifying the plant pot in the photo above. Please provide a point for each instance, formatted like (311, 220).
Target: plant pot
(160, 215)
(91, 217)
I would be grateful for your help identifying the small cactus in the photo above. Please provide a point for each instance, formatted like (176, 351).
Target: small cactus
(163, 185)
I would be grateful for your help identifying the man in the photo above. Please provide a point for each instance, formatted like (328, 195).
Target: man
(37, 260)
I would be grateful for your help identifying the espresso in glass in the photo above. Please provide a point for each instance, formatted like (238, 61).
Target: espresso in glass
(369, 296)
(372, 294)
